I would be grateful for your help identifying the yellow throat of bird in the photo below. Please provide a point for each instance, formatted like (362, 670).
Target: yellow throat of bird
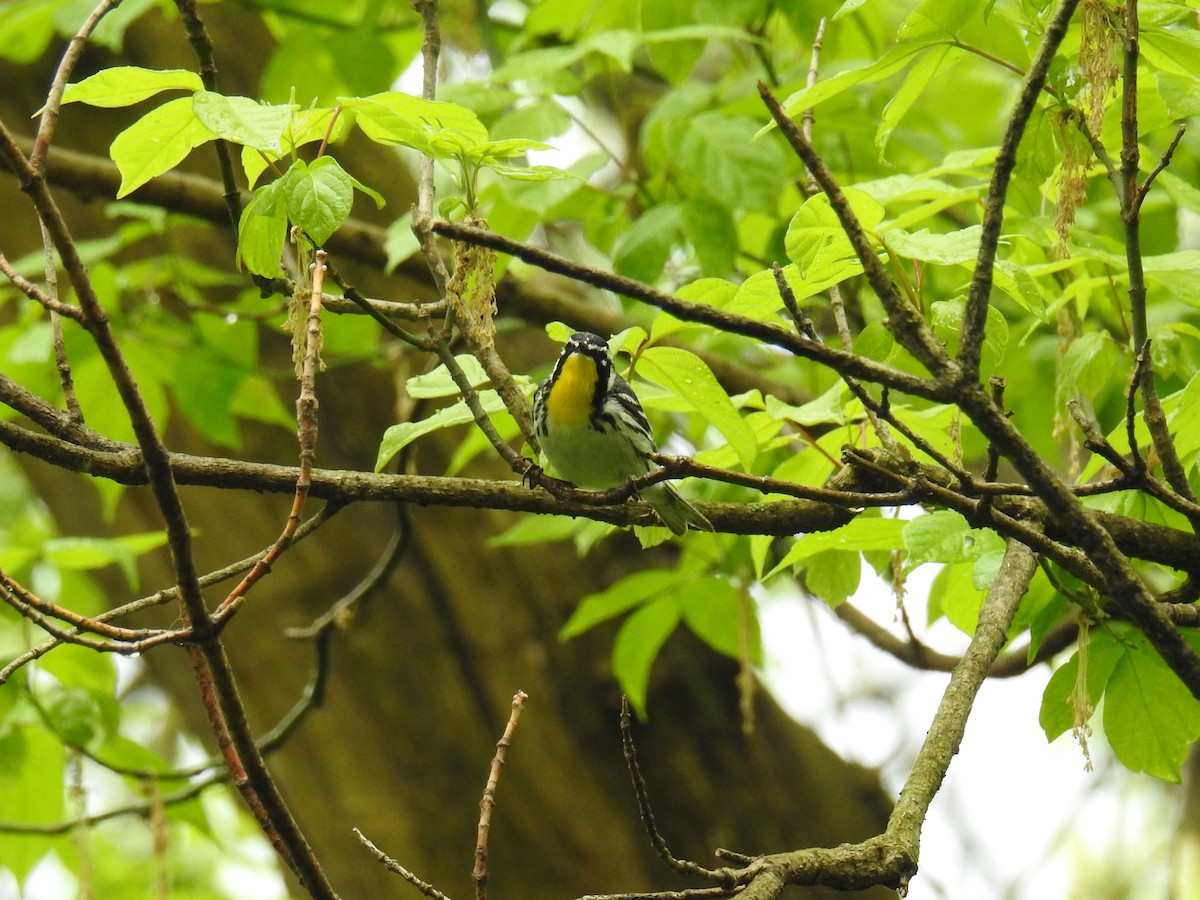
(569, 403)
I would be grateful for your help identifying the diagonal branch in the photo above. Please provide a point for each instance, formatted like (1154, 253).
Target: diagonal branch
(905, 321)
(970, 344)
(840, 361)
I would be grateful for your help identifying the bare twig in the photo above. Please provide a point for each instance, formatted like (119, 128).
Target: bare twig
(306, 435)
(809, 117)
(725, 877)
(839, 360)
(431, 48)
(905, 321)
(35, 293)
(164, 596)
(388, 863)
(1162, 164)
(970, 344)
(58, 85)
(488, 802)
(197, 36)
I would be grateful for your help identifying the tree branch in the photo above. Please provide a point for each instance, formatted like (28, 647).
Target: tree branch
(974, 325)
(839, 360)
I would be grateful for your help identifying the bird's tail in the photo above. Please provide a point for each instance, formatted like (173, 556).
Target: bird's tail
(676, 513)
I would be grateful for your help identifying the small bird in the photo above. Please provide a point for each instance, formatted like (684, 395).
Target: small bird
(594, 432)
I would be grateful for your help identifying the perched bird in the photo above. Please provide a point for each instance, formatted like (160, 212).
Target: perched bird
(594, 433)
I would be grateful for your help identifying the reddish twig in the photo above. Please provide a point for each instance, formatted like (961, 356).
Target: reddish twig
(306, 434)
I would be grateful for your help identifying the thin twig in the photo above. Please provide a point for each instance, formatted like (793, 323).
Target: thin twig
(58, 85)
(1162, 164)
(164, 596)
(431, 48)
(340, 611)
(839, 360)
(35, 293)
(388, 863)
(971, 337)
(905, 321)
(197, 36)
(306, 436)
(488, 802)
(725, 877)
(809, 116)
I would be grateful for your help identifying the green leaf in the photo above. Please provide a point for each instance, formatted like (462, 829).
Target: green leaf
(400, 436)
(947, 319)
(263, 230)
(1103, 653)
(818, 245)
(318, 196)
(954, 248)
(629, 592)
(891, 62)
(937, 19)
(718, 158)
(688, 376)
(75, 666)
(204, 388)
(954, 594)
(127, 85)
(643, 249)
(242, 120)
(1150, 717)
(944, 536)
(833, 575)
(1180, 93)
(1016, 281)
(710, 230)
(85, 553)
(1079, 358)
(441, 130)
(32, 790)
(439, 383)
(927, 66)
(863, 533)
(75, 716)
(26, 29)
(534, 530)
(157, 142)
(718, 614)
(637, 644)
(400, 243)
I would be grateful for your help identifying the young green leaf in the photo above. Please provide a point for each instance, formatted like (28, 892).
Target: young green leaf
(718, 614)
(242, 120)
(688, 376)
(1150, 717)
(833, 575)
(891, 62)
(157, 142)
(863, 533)
(944, 536)
(935, 60)
(442, 130)
(127, 85)
(439, 383)
(400, 436)
(637, 644)
(629, 592)
(262, 231)
(319, 196)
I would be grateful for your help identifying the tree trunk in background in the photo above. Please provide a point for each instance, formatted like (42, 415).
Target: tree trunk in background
(422, 678)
